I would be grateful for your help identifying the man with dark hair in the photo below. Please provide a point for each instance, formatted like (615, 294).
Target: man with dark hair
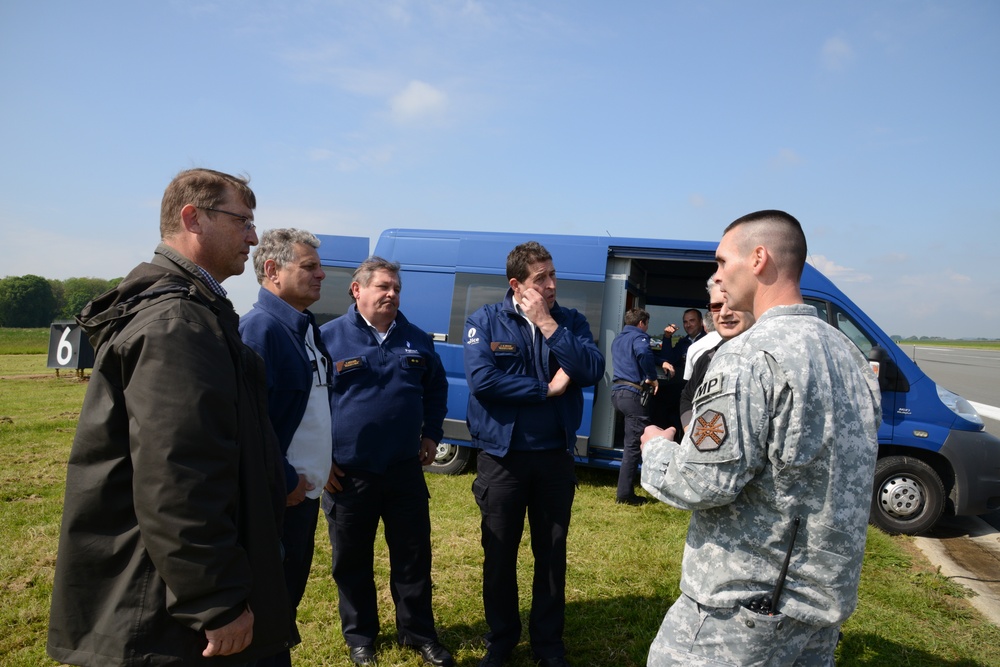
(390, 396)
(633, 380)
(283, 332)
(527, 360)
(170, 552)
(676, 353)
(777, 467)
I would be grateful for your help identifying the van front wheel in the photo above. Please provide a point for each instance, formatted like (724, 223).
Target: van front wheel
(450, 459)
(907, 497)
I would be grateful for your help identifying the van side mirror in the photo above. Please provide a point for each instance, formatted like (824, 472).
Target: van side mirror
(889, 376)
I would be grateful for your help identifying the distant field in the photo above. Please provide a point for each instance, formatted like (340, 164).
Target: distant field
(36, 341)
(971, 344)
(24, 341)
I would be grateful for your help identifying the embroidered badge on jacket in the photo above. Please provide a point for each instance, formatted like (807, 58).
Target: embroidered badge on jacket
(709, 431)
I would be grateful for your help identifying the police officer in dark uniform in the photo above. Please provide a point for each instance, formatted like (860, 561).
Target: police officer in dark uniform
(634, 380)
(389, 400)
(526, 361)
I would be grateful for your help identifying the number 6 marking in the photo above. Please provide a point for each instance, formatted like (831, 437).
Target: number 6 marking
(64, 351)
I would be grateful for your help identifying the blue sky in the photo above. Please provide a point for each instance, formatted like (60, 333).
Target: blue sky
(873, 122)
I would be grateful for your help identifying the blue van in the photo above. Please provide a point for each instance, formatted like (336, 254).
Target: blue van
(934, 454)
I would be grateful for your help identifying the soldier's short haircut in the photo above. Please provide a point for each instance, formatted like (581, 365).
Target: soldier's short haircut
(777, 231)
(635, 316)
(521, 258)
(279, 245)
(203, 188)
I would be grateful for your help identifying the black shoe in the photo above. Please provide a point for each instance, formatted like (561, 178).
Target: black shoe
(633, 500)
(435, 654)
(363, 655)
(558, 661)
(493, 659)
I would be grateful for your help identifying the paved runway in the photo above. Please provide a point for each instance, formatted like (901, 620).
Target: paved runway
(967, 549)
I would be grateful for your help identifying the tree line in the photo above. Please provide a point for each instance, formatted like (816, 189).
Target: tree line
(33, 301)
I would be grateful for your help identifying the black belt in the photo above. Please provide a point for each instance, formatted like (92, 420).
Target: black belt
(630, 384)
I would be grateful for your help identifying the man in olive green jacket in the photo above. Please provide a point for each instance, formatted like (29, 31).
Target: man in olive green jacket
(169, 551)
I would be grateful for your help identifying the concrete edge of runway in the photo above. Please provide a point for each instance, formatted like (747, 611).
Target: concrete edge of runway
(986, 598)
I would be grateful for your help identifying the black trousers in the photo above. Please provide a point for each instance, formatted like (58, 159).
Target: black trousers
(541, 484)
(637, 418)
(398, 497)
(298, 540)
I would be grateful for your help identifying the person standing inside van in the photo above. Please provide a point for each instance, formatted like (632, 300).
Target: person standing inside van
(633, 384)
(777, 467)
(527, 360)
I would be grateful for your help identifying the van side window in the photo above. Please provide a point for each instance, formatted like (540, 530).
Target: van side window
(852, 331)
(843, 321)
(334, 298)
(475, 290)
(820, 307)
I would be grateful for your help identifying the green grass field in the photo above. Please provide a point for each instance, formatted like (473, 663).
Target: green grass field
(624, 563)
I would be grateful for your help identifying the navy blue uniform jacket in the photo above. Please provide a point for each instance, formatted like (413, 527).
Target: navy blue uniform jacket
(502, 376)
(385, 397)
(276, 331)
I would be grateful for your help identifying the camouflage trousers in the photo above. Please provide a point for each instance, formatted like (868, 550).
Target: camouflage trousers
(697, 636)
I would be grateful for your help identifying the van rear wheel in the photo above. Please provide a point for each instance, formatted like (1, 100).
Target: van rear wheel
(907, 497)
(450, 459)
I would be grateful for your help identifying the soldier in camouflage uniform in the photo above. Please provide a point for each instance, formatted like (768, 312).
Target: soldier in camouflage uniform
(779, 460)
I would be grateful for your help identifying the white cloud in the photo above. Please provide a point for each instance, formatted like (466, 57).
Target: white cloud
(837, 54)
(838, 273)
(786, 157)
(957, 277)
(320, 154)
(418, 101)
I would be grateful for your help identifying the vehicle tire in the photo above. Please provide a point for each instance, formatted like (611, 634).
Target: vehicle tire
(907, 496)
(450, 459)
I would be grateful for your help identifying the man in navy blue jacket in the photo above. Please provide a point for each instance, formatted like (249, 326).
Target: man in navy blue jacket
(390, 397)
(283, 332)
(527, 360)
(634, 374)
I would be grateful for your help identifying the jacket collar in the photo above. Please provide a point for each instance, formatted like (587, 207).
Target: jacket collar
(280, 310)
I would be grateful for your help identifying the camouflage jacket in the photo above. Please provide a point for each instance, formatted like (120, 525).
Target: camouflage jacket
(785, 425)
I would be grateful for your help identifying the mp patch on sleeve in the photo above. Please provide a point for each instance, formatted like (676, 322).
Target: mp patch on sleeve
(709, 431)
(712, 385)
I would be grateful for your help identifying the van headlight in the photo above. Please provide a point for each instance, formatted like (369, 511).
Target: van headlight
(959, 405)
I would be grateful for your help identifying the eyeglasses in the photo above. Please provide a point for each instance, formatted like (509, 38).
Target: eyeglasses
(716, 306)
(246, 221)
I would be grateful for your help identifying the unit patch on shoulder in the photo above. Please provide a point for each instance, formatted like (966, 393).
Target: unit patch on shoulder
(709, 431)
